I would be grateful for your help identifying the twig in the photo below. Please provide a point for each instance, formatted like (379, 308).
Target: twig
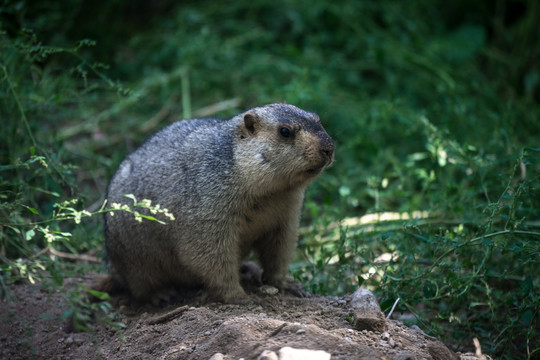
(217, 107)
(392, 310)
(275, 332)
(79, 257)
(168, 316)
(478, 348)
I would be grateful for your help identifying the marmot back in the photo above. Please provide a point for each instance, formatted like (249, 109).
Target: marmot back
(234, 186)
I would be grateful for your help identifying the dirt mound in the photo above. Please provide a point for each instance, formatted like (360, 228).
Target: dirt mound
(30, 328)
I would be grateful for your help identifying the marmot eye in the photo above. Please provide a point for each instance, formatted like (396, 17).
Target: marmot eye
(285, 132)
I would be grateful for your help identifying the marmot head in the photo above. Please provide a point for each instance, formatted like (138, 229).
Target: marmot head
(281, 146)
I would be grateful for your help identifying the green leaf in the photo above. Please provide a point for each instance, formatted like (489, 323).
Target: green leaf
(66, 314)
(103, 296)
(14, 229)
(526, 286)
(29, 234)
(526, 318)
(131, 196)
(148, 217)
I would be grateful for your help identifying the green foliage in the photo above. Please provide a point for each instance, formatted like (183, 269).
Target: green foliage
(433, 198)
(83, 314)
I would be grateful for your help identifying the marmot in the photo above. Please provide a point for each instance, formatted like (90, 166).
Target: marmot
(233, 186)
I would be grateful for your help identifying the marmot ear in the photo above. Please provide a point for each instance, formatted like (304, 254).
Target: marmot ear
(251, 120)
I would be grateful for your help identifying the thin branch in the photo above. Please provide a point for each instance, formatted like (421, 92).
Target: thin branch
(76, 257)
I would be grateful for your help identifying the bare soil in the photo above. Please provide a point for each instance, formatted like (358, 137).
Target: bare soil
(30, 328)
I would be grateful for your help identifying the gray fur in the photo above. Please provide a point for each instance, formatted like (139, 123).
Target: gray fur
(233, 186)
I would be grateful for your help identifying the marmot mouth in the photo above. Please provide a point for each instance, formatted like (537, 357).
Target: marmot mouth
(314, 171)
(317, 169)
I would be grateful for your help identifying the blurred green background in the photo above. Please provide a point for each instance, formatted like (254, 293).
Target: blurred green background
(434, 196)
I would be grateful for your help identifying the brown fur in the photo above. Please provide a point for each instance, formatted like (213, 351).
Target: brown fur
(234, 186)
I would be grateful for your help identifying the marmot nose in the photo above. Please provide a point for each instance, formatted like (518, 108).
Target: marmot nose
(327, 152)
(327, 149)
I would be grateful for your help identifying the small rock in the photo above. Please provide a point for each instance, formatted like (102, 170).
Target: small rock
(347, 339)
(69, 340)
(61, 340)
(367, 312)
(289, 353)
(207, 333)
(472, 356)
(268, 355)
(385, 336)
(300, 331)
(268, 290)
(391, 342)
(217, 356)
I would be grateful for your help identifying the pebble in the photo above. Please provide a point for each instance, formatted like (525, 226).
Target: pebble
(268, 355)
(367, 312)
(289, 353)
(300, 331)
(268, 290)
(217, 356)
